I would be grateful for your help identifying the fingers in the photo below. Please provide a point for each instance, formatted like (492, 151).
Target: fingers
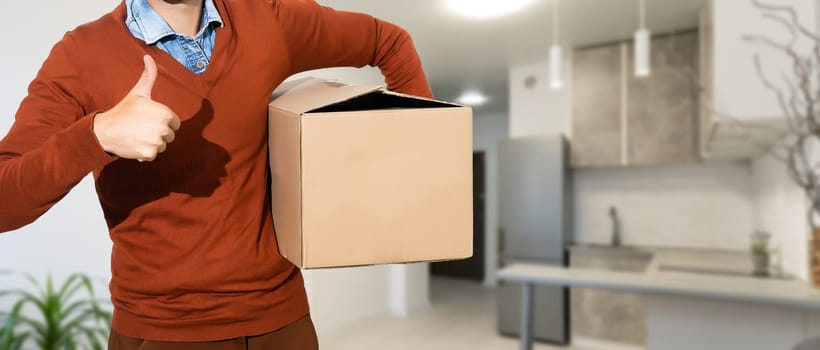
(151, 155)
(169, 137)
(145, 84)
(174, 124)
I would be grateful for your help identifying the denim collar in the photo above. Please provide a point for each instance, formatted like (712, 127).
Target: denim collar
(146, 24)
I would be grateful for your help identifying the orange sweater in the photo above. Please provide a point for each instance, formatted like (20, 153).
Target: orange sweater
(194, 255)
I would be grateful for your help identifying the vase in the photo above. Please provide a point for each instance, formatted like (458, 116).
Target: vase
(814, 258)
(761, 264)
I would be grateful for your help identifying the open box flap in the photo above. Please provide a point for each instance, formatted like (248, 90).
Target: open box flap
(313, 95)
(306, 94)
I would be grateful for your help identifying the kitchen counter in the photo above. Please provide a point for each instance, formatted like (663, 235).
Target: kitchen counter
(685, 310)
(774, 291)
(694, 298)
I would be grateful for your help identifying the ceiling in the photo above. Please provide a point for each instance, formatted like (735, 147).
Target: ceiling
(460, 53)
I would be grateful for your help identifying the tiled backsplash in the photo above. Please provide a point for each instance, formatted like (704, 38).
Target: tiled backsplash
(706, 205)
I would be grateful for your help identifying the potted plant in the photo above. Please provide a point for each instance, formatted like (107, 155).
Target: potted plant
(55, 318)
(761, 253)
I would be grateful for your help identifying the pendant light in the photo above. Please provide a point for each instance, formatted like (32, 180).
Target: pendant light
(555, 56)
(642, 44)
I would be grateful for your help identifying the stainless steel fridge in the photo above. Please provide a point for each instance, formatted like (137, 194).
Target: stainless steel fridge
(535, 215)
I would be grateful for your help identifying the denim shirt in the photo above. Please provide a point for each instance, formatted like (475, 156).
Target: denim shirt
(146, 24)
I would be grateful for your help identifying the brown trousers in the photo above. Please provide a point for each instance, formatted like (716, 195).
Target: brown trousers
(299, 335)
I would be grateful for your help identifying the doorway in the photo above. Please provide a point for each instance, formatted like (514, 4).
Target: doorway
(471, 268)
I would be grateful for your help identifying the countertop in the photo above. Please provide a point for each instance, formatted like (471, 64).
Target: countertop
(726, 281)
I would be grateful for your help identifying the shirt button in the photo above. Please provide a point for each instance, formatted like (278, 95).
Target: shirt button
(200, 64)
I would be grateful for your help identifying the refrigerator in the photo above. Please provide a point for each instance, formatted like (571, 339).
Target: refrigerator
(535, 217)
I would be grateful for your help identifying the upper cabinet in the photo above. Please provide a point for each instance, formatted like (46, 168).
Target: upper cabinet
(597, 123)
(740, 117)
(619, 119)
(662, 109)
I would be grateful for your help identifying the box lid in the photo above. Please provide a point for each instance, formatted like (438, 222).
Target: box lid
(307, 94)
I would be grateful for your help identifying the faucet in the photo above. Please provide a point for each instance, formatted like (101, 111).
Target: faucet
(616, 226)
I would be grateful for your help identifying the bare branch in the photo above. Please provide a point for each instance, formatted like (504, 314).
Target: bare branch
(787, 25)
(795, 23)
(781, 98)
(790, 110)
(792, 15)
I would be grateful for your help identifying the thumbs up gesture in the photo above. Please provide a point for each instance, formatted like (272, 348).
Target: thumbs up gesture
(137, 127)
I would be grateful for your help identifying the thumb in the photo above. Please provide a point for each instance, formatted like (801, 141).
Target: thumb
(147, 79)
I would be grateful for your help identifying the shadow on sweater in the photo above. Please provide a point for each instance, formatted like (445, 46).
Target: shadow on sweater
(191, 165)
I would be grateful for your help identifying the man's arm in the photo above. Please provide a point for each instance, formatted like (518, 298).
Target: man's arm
(54, 142)
(320, 37)
(51, 145)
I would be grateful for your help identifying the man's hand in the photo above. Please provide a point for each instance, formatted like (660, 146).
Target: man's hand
(137, 127)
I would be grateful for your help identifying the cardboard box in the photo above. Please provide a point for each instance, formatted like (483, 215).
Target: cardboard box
(363, 176)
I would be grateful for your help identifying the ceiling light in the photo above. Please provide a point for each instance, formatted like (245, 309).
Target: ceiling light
(472, 98)
(642, 44)
(556, 81)
(481, 9)
(642, 47)
(555, 56)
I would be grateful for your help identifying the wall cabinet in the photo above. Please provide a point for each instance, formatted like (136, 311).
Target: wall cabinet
(619, 119)
(596, 106)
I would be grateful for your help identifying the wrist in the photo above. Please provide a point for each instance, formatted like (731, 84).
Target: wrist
(98, 127)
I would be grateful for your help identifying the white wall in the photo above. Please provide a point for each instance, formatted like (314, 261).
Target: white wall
(540, 110)
(72, 237)
(488, 129)
(409, 288)
(340, 296)
(738, 89)
(698, 206)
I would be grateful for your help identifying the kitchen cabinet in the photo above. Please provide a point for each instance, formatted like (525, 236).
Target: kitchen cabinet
(662, 109)
(596, 123)
(740, 117)
(620, 120)
(605, 315)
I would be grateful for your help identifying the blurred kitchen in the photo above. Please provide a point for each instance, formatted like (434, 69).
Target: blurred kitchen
(634, 178)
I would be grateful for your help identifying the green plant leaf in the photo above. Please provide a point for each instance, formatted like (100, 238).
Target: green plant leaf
(69, 344)
(65, 319)
(67, 297)
(31, 298)
(85, 316)
(19, 341)
(38, 327)
(78, 305)
(8, 327)
(69, 287)
(92, 337)
(34, 283)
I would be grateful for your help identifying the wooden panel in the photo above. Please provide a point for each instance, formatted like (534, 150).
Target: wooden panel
(662, 108)
(596, 105)
(605, 315)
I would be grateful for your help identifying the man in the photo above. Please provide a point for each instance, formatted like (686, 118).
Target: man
(165, 102)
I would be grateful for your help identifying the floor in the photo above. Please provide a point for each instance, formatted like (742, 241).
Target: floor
(461, 316)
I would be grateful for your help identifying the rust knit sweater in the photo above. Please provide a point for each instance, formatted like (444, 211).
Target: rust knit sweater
(194, 255)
